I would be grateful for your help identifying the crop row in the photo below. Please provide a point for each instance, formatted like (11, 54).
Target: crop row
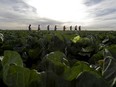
(57, 59)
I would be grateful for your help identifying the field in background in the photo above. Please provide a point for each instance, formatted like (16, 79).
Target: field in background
(57, 58)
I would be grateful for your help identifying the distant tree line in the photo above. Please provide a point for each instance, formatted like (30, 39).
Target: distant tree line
(55, 28)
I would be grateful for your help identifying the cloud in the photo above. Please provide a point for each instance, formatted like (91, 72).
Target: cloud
(103, 8)
(92, 2)
(16, 14)
(103, 13)
(15, 10)
(18, 5)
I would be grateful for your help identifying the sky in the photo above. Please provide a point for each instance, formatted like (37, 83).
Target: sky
(90, 14)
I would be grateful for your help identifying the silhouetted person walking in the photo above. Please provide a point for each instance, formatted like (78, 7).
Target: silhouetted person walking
(79, 28)
(70, 28)
(48, 27)
(29, 27)
(38, 27)
(64, 28)
(55, 28)
(76, 27)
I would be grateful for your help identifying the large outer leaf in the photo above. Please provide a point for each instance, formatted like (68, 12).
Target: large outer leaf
(112, 50)
(73, 72)
(109, 67)
(12, 57)
(15, 75)
(1, 76)
(90, 79)
(21, 77)
(1, 37)
(56, 62)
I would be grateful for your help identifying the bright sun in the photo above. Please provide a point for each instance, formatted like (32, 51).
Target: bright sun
(60, 10)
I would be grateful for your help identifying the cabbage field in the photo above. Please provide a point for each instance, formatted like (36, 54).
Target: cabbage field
(57, 58)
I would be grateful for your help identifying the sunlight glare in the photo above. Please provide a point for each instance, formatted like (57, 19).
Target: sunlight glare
(60, 10)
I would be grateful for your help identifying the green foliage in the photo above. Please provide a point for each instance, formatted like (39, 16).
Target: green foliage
(1, 37)
(96, 57)
(14, 74)
(21, 77)
(109, 67)
(76, 39)
(57, 59)
(12, 57)
(56, 62)
(56, 44)
(73, 72)
(34, 53)
(90, 79)
(112, 50)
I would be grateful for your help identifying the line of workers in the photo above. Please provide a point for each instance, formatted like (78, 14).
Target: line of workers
(55, 27)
